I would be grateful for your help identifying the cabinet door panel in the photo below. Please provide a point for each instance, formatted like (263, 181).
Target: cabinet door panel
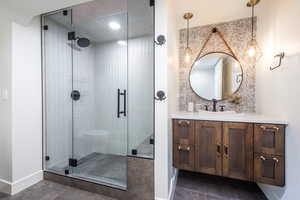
(269, 139)
(269, 169)
(238, 150)
(183, 132)
(208, 143)
(184, 157)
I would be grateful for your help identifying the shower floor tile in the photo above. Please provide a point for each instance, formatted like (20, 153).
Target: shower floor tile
(100, 168)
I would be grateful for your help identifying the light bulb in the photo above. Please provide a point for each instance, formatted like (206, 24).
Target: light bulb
(252, 48)
(251, 51)
(188, 54)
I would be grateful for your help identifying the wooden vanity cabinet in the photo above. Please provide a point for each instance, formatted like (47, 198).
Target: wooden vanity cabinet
(183, 144)
(269, 159)
(208, 144)
(269, 139)
(238, 151)
(245, 151)
(269, 169)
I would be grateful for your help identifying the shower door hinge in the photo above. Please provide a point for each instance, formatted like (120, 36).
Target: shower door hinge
(151, 141)
(71, 35)
(47, 158)
(45, 27)
(73, 162)
(134, 152)
(152, 3)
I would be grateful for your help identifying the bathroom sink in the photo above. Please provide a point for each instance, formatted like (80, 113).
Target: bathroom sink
(233, 113)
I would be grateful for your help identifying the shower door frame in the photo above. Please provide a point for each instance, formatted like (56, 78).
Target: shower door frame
(44, 103)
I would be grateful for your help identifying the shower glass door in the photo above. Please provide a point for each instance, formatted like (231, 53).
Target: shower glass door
(57, 68)
(85, 93)
(100, 114)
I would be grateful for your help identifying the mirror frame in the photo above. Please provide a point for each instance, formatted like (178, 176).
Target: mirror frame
(221, 52)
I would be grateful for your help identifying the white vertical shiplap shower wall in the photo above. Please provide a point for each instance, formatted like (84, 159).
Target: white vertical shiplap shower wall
(98, 71)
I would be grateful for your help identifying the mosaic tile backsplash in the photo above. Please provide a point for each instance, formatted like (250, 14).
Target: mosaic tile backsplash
(237, 33)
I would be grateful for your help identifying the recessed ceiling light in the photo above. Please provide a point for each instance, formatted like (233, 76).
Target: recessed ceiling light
(114, 25)
(122, 42)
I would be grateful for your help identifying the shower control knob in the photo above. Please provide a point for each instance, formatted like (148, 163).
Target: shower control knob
(75, 95)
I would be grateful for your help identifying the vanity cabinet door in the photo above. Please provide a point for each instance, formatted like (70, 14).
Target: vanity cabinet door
(208, 144)
(269, 139)
(238, 151)
(269, 169)
(184, 157)
(183, 132)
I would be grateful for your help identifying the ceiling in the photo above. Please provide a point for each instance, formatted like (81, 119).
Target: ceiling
(25, 10)
(210, 11)
(91, 19)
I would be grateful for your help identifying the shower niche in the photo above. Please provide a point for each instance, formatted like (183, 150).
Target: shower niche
(98, 86)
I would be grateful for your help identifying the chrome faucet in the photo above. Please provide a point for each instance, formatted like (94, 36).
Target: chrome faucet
(214, 105)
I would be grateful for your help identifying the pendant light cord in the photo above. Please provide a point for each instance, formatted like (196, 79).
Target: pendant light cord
(188, 33)
(252, 23)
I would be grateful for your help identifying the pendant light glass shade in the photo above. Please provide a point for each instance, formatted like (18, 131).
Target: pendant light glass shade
(188, 54)
(188, 51)
(253, 50)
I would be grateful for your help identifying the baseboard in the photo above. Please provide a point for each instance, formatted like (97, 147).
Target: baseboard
(173, 185)
(21, 184)
(269, 194)
(26, 182)
(5, 187)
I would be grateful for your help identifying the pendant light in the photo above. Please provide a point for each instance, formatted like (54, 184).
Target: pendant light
(188, 51)
(253, 49)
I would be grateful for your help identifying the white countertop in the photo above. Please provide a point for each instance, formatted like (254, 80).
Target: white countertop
(229, 117)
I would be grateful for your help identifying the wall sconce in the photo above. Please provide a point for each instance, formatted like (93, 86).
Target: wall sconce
(279, 57)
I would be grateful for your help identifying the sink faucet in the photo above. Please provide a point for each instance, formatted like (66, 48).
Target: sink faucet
(214, 105)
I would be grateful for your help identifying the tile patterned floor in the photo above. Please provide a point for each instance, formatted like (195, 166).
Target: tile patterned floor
(46, 190)
(195, 186)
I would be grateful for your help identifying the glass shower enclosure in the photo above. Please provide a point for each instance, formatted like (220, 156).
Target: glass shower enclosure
(98, 82)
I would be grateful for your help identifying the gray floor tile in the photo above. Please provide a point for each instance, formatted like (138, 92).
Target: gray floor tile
(196, 186)
(47, 190)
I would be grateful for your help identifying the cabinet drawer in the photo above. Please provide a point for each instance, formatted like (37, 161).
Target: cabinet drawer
(184, 157)
(184, 132)
(269, 139)
(269, 169)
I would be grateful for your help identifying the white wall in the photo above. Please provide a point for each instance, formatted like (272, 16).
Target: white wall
(20, 119)
(26, 104)
(163, 166)
(278, 91)
(5, 104)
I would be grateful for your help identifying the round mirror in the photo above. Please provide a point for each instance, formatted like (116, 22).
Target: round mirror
(216, 76)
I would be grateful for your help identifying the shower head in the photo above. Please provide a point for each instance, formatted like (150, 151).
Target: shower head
(83, 42)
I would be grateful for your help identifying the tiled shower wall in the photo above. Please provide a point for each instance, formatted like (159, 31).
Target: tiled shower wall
(237, 33)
